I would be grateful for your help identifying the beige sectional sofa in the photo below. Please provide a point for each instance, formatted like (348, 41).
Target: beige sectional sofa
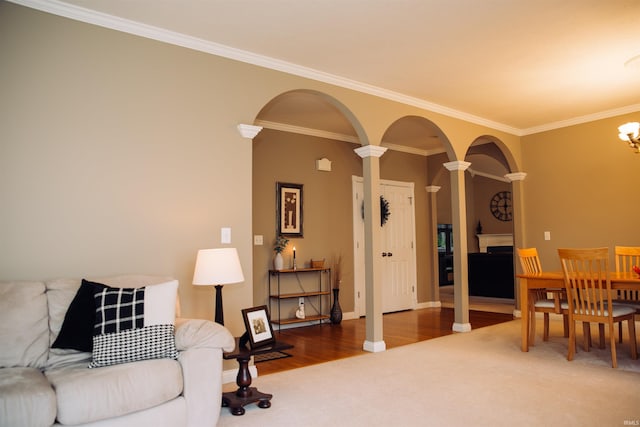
(44, 386)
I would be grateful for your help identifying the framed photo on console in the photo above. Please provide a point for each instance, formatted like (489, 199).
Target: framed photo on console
(289, 209)
(258, 325)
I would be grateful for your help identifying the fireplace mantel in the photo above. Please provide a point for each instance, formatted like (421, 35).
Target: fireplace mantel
(487, 240)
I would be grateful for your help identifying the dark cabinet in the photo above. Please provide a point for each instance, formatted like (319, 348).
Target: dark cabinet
(491, 275)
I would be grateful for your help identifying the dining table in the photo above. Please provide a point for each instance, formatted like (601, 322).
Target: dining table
(553, 281)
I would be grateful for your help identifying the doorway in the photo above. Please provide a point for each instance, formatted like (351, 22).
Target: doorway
(398, 256)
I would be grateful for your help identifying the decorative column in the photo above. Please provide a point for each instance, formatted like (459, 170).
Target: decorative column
(434, 290)
(517, 181)
(460, 271)
(372, 246)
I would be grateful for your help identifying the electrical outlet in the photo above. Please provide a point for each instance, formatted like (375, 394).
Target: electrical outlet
(300, 300)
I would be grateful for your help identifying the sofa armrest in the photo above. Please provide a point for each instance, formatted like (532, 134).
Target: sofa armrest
(200, 344)
(198, 333)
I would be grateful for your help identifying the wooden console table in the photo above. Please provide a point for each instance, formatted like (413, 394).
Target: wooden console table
(323, 290)
(244, 395)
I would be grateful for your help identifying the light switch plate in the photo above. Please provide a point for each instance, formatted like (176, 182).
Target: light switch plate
(258, 240)
(225, 235)
(547, 235)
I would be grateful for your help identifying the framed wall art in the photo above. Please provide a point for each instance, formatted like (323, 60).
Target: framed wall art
(289, 209)
(258, 326)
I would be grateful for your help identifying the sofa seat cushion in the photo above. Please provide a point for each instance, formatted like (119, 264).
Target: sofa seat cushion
(26, 398)
(85, 395)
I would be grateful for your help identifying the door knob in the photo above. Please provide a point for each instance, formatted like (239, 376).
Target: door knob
(384, 254)
(389, 254)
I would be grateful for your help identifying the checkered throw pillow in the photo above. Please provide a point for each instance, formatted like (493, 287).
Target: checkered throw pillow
(133, 324)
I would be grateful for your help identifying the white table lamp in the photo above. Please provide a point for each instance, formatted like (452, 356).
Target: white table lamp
(218, 267)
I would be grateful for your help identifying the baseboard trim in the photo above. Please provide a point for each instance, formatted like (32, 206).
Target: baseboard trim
(428, 304)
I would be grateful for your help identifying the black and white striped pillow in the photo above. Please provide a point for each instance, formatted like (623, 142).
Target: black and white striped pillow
(133, 324)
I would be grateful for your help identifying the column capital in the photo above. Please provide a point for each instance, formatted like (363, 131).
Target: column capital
(458, 165)
(432, 188)
(370, 151)
(516, 176)
(249, 131)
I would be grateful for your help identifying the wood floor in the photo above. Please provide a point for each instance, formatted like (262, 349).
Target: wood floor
(323, 343)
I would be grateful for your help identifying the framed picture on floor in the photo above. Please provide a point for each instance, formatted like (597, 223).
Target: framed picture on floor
(258, 326)
(289, 209)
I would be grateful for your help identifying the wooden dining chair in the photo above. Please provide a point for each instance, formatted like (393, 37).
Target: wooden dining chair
(542, 301)
(588, 286)
(625, 258)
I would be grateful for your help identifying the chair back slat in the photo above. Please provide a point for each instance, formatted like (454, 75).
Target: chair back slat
(586, 273)
(529, 260)
(626, 257)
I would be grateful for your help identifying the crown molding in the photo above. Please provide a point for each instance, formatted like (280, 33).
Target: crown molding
(474, 172)
(582, 119)
(284, 127)
(89, 16)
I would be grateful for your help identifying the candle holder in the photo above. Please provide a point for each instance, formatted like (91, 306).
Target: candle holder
(295, 265)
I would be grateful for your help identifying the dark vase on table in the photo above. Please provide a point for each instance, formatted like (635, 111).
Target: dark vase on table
(336, 312)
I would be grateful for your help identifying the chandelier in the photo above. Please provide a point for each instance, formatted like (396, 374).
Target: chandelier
(630, 133)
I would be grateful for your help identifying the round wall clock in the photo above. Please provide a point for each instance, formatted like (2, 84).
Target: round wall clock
(501, 206)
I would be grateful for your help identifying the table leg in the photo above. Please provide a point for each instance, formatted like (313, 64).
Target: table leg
(524, 313)
(236, 400)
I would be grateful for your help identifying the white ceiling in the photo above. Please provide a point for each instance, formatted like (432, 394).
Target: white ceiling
(518, 65)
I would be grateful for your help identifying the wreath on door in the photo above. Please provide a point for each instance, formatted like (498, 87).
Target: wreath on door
(384, 210)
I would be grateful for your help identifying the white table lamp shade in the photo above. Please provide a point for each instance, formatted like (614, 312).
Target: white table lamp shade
(217, 267)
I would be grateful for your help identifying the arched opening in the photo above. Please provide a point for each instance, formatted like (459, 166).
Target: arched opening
(308, 139)
(490, 229)
(409, 256)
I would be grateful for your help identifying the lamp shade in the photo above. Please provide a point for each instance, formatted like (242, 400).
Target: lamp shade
(217, 267)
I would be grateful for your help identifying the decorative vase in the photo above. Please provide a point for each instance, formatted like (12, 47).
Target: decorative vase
(278, 261)
(336, 312)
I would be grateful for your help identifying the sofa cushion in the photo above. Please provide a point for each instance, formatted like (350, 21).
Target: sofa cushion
(60, 293)
(86, 395)
(134, 324)
(24, 330)
(26, 398)
(77, 328)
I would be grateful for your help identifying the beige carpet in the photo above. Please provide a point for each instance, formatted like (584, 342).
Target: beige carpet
(480, 378)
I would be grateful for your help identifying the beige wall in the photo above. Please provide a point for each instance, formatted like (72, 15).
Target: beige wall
(328, 212)
(120, 154)
(327, 219)
(582, 186)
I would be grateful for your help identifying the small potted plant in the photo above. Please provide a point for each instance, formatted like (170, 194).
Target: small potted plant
(278, 247)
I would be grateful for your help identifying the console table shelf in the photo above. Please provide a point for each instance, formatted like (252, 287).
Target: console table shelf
(320, 292)
(300, 294)
(316, 318)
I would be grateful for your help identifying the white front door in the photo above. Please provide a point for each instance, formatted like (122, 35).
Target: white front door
(398, 248)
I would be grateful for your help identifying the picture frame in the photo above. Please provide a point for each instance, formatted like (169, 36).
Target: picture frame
(289, 212)
(258, 325)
